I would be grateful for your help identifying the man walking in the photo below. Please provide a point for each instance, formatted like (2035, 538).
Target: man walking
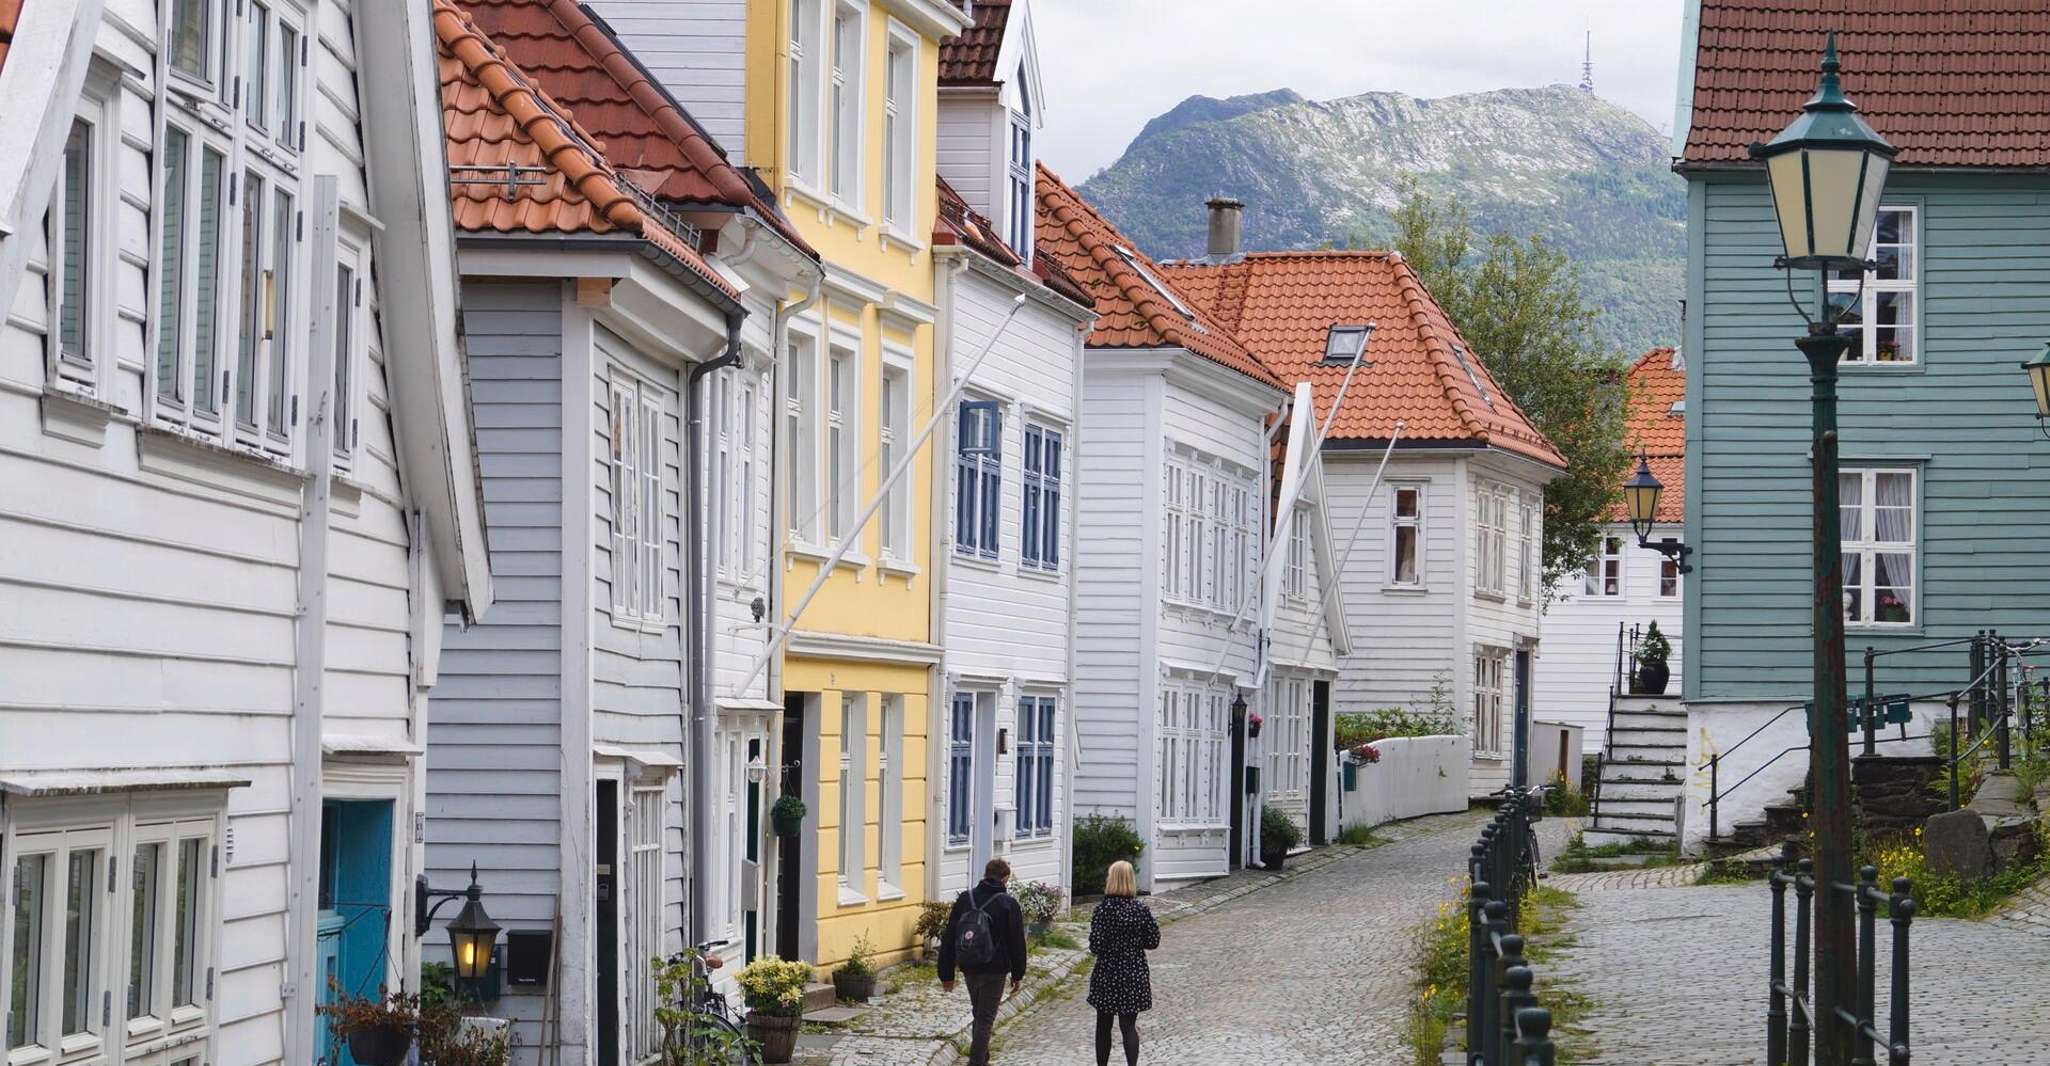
(986, 938)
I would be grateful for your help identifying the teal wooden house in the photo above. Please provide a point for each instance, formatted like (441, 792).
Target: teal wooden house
(1946, 477)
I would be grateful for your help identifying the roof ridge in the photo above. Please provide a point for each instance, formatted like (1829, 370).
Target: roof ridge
(1413, 294)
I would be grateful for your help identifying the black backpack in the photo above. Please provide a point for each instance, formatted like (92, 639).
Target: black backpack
(975, 940)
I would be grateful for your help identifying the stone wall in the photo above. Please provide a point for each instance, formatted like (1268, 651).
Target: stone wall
(1894, 794)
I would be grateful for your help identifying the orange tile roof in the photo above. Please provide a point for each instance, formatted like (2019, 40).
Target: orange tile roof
(495, 117)
(970, 57)
(1283, 304)
(642, 131)
(1951, 83)
(957, 223)
(1131, 311)
(1655, 429)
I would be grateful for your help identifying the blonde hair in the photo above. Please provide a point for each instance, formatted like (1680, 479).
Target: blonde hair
(1121, 880)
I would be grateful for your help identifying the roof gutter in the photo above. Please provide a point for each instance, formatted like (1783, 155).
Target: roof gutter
(625, 242)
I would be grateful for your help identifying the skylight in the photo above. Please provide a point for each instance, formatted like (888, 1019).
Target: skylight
(1166, 293)
(1344, 343)
(1472, 375)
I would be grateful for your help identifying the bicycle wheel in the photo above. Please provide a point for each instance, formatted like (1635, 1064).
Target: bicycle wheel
(738, 1050)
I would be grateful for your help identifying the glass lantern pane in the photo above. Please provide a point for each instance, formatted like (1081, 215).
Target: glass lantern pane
(1833, 189)
(1789, 199)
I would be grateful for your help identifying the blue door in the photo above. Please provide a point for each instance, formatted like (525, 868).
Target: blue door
(355, 906)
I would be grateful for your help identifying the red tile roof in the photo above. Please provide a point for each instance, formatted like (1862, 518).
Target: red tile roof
(495, 117)
(10, 17)
(970, 57)
(1283, 304)
(1654, 428)
(1132, 312)
(640, 129)
(1951, 83)
(957, 223)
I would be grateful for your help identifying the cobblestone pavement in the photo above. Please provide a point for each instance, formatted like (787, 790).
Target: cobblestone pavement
(1312, 970)
(2028, 912)
(1676, 977)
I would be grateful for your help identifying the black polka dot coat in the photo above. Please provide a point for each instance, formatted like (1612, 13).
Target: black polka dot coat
(1121, 932)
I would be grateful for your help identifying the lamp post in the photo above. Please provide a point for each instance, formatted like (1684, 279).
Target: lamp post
(1641, 502)
(1826, 172)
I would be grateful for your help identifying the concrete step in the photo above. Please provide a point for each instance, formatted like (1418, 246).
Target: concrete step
(1613, 807)
(1626, 820)
(833, 1015)
(1625, 791)
(1595, 838)
(819, 995)
(1675, 735)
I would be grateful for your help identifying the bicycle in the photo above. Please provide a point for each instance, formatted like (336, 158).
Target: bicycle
(699, 1030)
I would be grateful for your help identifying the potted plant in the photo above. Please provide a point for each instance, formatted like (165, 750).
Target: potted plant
(930, 927)
(447, 1038)
(1652, 672)
(786, 816)
(774, 992)
(1041, 903)
(379, 1031)
(1278, 836)
(855, 980)
(1253, 723)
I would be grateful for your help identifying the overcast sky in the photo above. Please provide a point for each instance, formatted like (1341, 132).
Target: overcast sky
(1109, 65)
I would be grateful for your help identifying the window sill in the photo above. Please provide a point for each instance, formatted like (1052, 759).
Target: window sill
(1491, 597)
(631, 624)
(830, 208)
(888, 566)
(76, 416)
(189, 457)
(887, 892)
(891, 235)
(1197, 828)
(851, 898)
(1040, 573)
(854, 561)
(1884, 628)
(978, 561)
(1405, 590)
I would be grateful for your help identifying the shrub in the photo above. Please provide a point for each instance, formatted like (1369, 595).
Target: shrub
(860, 959)
(1562, 799)
(1654, 647)
(774, 986)
(932, 920)
(1364, 727)
(446, 1041)
(1040, 900)
(1278, 832)
(1099, 840)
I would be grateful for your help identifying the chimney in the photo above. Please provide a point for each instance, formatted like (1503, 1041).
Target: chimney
(1224, 228)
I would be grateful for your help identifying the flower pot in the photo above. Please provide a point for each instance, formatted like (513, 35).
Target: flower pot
(1253, 728)
(854, 987)
(1651, 679)
(380, 1045)
(1273, 858)
(776, 1033)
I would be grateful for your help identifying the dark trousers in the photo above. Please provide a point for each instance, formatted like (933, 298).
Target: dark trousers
(985, 995)
(1128, 1026)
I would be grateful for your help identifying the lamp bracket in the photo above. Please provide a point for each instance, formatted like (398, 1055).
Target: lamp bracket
(423, 894)
(1671, 548)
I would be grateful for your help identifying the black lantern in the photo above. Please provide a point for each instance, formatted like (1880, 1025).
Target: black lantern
(2039, 382)
(1641, 502)
(1826, 171)
(472, 935)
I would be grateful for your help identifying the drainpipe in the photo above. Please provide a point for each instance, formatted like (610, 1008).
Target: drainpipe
(697, 544)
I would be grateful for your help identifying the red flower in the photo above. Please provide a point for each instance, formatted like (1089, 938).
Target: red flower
(1367, 753)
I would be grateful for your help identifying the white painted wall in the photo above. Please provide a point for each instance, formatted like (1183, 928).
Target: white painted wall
(697, 50)
(1579, 653)
(1416, 776)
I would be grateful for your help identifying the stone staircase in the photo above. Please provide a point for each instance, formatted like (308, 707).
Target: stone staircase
(1643, 770)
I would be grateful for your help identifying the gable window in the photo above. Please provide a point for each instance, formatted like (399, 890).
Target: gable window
(637, 509)
(1877, 509)
(73, 231)
(1295, 577)
(1488, 669)
(1343, 344)
(1603, 575)
(960, 768)
(1491, 506)
(1190, 739)
(843, 482)
(1019, 170)
(800, 402)
(1526, 553)
(805, 56)
(1035, 765)
(896, 524)
(1406, 536)
(900, 128)
(853, 781)
(1042, 525)
(979, 480)
(1879, 305)
(846, 100)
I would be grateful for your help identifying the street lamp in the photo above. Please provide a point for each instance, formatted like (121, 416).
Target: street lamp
(472, 935)
(1641, 501)
(2039, 382)
(1826, 172)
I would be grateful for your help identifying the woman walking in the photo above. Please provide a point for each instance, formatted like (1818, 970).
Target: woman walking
(1121, 932)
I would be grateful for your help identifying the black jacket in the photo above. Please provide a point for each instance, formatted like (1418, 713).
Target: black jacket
(1005, 917)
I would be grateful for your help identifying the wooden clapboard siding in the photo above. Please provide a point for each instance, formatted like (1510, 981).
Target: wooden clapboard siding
(1963, 416)
(1578, 658)
(1403, 639)
(1117, 581)
(697, 50)
(972, 133)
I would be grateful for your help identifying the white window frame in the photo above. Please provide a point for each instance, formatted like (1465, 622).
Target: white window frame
(735, 465)
(1211, 539)
(1669, 578)
(802, 372)
(806, 92)
(644, 830)
(1019, 173)
(846, 105)
(900, 130)
(724, 437)
(1398, 521)
(1861, 552)
(1527, 551)
(979, 487)
(853, 786)
(962, 709)
(636, 439)
(892, 435)
(1491, 537)
(216, 43)
(1288, 731)
(1606, 561)
(1039, 521)
(1191, 738)
(890, 769)
(843, 436)
(1867, 286)
(351, 339)
(1038, 725)
(1295, 575)
(1490, 670)
(80, 368)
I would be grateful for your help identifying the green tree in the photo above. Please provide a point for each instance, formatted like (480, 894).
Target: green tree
(1518, 303)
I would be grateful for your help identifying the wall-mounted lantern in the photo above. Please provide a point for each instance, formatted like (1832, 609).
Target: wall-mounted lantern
(472, 935)
(1641, 501)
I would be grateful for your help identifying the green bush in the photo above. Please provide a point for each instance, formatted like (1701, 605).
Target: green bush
(1278, 832)
(1563, 800)
(1364, 727)
(1099, 840)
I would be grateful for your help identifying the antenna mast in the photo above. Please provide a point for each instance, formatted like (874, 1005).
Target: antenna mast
(1587, 66)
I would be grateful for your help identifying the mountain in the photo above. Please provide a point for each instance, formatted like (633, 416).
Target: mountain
(1591, 177)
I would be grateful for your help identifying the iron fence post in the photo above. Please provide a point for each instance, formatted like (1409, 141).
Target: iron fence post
(1714, 797)
(1491, 974)
(1978, 690)
(1515, 995)
(1776, 996)
(1867, 891)
(1901, 908)
(1476, 962)
(1801, 1022)
(1534, 1037)
(2000, 702)
(1956, 745)
(1871, 720)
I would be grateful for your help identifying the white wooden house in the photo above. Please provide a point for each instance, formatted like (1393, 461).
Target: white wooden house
(1441, 554)
(1623, 587)
(237, 497)
(1007, 518)
(564, 761)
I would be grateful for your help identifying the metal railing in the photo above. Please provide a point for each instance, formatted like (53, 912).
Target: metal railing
(1619, 683)
(1790, 1021)
(1504, 1023)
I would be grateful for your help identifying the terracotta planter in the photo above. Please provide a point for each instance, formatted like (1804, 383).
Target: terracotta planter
(381, 1045)
(776, 1033)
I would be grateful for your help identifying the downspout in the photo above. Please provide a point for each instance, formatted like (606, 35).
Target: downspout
(703, 713)
(772, 576)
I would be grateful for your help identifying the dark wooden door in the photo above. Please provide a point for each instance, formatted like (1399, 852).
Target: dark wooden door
(1320, 761)
(790, 872)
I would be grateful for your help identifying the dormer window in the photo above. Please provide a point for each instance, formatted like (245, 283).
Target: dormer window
(1020, 171)
(1344, 344)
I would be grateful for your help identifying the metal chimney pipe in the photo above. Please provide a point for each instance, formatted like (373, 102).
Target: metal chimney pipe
(1224, 227)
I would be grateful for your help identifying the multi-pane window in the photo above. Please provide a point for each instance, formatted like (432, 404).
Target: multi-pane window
(844, 99)
(1191, 737)
(637, 506)
(1288, 735)
(1212, 515)
(1877, 509)
(643, 884)
(900, 129)
(891, 441)
(979, 478)
(734, 466)
(960, 769)
(843, 474)
(1406, 536)
(805, 60)
(189, 38)
(890, 792)
(263, 340)
(1042, 504)
(1669, 577)
(1019, 174)
(1488, 669)
(1295, 576)
(1603, 574)
(189, 276)
(1879, 305)
(1526, 552)
(1491, 511)
(73, 229)
(800, 401)
(853, 778)
(721, 475)
(1036, 716)
(348, 297)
